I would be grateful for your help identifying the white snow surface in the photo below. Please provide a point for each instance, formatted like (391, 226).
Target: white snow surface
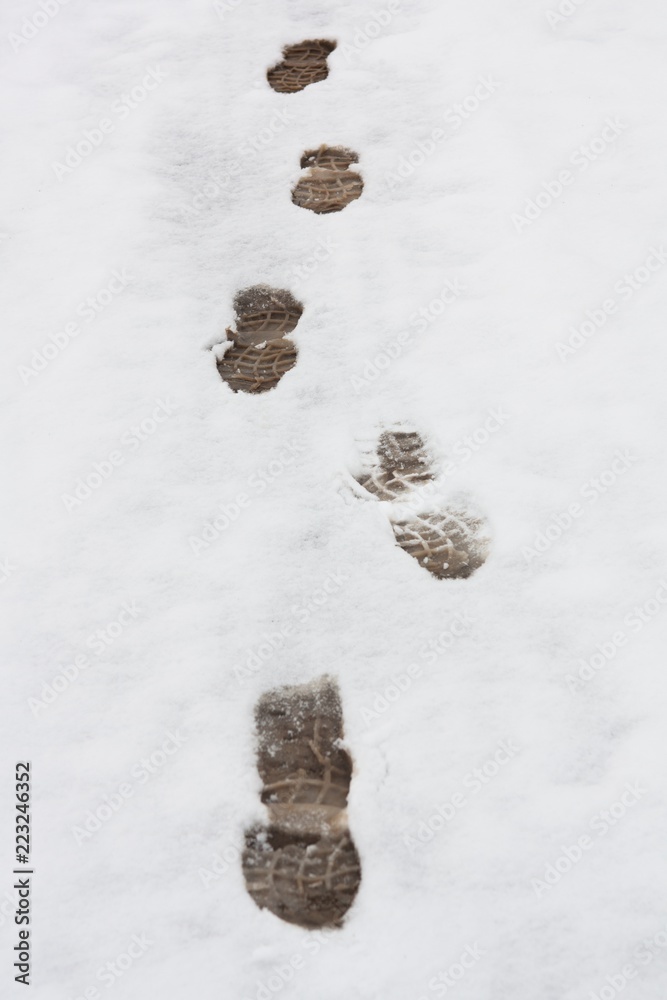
(480, 881)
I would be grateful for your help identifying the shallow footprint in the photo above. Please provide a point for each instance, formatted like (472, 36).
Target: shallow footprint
(398, 464)
(450, 542)
(302, 64)
(329, 185)
(260, 354)
(303, 866)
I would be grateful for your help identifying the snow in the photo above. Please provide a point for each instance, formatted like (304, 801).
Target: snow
(477, 886)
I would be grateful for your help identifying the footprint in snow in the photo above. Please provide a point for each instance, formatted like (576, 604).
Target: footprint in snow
(329, 185)
(303, 865)
(258, 352)
(450, 541)
(302, 64)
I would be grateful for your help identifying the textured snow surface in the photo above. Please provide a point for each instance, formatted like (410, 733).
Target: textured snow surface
(440, 227)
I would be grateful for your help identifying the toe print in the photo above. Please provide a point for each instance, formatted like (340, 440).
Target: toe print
(450, 542)
(329, 185)
(399, 465)
(303, 866)
(301, 65)
(259, 352)
(265, 313)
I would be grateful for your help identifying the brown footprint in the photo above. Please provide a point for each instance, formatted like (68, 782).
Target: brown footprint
(451, 543)
(302, 64)
(303, 866)
(401, 463)
(329, 186)
(260, 354)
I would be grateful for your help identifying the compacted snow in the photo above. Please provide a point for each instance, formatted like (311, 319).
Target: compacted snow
(172, 549)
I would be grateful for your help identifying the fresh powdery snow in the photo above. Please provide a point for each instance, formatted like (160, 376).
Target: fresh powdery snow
(171, 550)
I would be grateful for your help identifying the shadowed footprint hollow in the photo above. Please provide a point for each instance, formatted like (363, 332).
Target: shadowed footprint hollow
(328, 184)
(301, 65)
(303, 866)
(451, 542)
(259, 352)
